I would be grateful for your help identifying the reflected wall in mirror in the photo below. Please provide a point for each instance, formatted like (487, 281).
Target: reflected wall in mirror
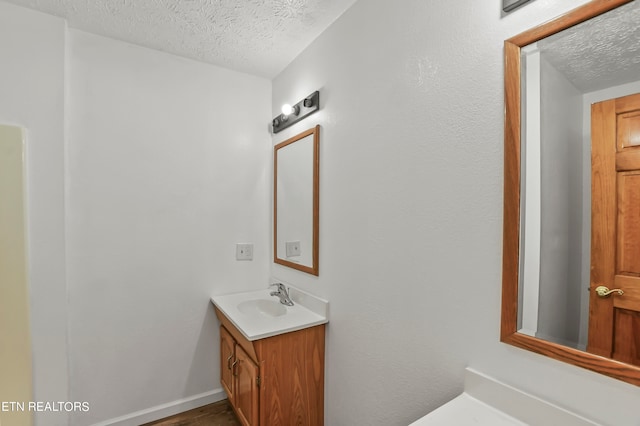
(571, 250)
(296, 201)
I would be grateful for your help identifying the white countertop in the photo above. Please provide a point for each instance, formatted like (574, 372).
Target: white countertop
(486, 401)
(307, 311)
(466, 410)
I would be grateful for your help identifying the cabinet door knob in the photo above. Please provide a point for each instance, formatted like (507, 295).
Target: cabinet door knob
(233, 367)
(229, 362)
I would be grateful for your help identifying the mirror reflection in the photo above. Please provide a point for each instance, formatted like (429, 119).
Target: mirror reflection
(563, 75)
(296, 202)
(571, 236)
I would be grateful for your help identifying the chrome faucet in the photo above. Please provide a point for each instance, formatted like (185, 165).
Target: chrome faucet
(282, 293)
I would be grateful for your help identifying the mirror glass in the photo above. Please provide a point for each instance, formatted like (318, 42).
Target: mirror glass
(296, 195)
(572, 222)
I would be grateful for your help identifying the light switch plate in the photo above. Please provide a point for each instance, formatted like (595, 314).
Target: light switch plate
(244, 251)
(509, 5)
(292, 248)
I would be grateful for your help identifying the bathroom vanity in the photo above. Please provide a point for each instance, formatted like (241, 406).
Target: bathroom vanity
(272, 357)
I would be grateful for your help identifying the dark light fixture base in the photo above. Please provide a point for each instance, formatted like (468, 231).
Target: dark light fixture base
(509, 5)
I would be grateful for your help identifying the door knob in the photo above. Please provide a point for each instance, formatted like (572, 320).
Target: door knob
(603, 291)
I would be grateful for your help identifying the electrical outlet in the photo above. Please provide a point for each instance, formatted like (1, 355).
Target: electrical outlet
(244, 251)
(292, 248)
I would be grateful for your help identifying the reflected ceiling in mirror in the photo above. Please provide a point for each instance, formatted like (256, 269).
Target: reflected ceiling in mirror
(600, 53)
(552, 74)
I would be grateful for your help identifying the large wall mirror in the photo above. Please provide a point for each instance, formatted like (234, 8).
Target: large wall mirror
(296, 201)
(571, 265)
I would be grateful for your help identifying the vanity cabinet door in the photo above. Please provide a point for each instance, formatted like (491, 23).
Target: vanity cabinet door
(247, 390)
(227, 358)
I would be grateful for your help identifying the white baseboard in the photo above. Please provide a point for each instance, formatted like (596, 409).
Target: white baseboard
(166, 410)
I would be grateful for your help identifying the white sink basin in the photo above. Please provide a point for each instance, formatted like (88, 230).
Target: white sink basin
(258, 315)
(268, 308)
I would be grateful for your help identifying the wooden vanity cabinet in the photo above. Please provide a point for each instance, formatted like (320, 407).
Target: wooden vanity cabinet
(276, 381)
(239, 378)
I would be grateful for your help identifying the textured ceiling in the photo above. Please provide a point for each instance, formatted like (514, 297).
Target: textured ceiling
(600, 53)
(255, 36)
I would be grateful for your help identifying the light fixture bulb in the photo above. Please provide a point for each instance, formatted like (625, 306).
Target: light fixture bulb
(287, 109)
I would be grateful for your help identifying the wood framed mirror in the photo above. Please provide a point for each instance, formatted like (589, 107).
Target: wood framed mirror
(607, 216)
(296, 199)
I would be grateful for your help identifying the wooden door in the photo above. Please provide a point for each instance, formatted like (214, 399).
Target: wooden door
(614, 320)
(227, 357)
(247, 390)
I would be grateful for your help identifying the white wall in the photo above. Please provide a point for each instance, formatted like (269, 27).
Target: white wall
(561, 231)
(169, 166)
(32, 54)
(530, 192)
(411, 173)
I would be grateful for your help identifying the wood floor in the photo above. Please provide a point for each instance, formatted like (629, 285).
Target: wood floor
(216, 414)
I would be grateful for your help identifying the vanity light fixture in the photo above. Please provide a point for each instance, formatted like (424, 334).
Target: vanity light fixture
(293, 113)
(509, 5)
